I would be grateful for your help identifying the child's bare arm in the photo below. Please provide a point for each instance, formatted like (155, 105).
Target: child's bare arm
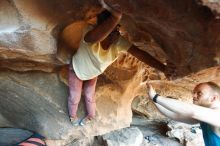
(101, 31)
(146, 58)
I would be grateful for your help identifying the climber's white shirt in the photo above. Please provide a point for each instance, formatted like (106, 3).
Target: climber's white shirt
(91, 60)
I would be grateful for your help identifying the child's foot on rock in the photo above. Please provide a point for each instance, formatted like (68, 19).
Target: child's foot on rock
(75, 121)
(86, 120)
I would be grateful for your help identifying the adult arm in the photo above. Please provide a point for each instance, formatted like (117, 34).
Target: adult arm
(101, 31)
(175, 116)
(146, 58)
(189, 110)
(170, 114)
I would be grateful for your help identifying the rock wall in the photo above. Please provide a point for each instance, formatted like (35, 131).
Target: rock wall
(38, 37)
(29, 31)
(185, 31)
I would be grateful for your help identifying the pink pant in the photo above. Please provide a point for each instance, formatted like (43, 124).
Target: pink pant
(75, 89)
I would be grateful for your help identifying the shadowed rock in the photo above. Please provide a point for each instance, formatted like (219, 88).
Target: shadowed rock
(36, 36)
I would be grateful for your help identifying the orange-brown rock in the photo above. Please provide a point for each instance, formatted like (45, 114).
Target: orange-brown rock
(188, 33)
(38, 38)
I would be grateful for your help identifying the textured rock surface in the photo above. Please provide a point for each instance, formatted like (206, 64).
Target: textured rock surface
(37, 36)
(187, 134)
(34, 101)
(29, 30)
(154, 132)
(185, 31)
(124, 137)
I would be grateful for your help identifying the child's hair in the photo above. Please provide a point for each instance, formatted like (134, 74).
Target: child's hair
(104, 15)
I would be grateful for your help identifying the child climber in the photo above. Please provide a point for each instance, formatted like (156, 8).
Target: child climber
(99, 47)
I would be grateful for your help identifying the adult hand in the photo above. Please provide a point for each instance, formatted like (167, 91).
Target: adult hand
(151, 91)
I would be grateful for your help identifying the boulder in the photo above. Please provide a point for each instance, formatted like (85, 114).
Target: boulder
(189, 135)
(124, 137)
(154, 132)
